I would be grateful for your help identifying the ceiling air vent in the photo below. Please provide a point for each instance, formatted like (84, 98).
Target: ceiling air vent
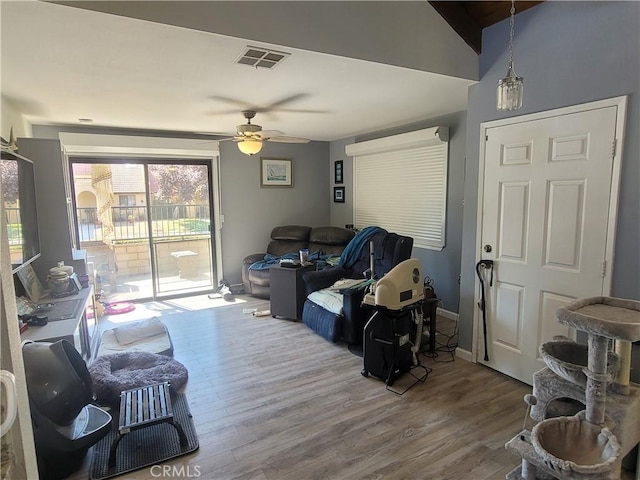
(259, 57)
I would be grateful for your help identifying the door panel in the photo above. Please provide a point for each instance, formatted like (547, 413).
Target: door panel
(550, 302)
(545, 213)
(508, 315)
(564, 224)
(514, 221)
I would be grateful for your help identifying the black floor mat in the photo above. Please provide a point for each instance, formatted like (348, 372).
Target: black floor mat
(146, 446)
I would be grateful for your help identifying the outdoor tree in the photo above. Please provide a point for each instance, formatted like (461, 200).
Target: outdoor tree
(180, 183)
(9, 181)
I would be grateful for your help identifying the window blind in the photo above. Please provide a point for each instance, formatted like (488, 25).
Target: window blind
(400, 184)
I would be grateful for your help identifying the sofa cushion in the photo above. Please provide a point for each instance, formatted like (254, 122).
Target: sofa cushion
(288, 239)
(329, 240)
(259, 277)
(291, 232)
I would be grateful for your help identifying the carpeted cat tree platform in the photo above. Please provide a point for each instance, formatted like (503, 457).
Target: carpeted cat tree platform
(588, 412)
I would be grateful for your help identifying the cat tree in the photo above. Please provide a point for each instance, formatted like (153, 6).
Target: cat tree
(592, 443)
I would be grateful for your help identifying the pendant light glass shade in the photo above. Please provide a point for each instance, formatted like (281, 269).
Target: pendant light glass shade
(510, 91)
(510, 88)
(250, 147)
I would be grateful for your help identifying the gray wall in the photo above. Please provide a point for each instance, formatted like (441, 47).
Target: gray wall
(251, 212)
(53, 229)
(568, 53)
(443, 266)
(341, 213)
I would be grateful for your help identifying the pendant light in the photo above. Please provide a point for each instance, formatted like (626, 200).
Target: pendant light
(250, 147)
(511, 87)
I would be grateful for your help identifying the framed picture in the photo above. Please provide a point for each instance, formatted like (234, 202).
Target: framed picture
(337, 171)
(338, 194)
(276, 172)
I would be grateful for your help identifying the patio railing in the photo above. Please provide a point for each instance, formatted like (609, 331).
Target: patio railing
(130, 223)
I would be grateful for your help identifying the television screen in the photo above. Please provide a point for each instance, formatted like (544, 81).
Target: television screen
(19, 201)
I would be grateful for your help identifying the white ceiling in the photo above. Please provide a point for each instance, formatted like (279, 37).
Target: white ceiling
(61, 64)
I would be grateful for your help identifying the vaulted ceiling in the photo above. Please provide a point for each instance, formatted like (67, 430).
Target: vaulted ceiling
(171, 65)
(469, 18)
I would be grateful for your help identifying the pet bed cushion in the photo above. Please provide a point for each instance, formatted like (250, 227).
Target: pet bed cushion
(112, 374)
(149, 335)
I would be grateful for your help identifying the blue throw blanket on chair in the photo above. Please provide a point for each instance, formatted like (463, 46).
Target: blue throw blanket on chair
(353, 250)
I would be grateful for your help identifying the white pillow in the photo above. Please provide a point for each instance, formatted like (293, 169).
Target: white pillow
(328, 299)
(138, 331)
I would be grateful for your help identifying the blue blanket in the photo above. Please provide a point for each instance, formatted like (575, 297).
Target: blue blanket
(353, 250)
(269, 259)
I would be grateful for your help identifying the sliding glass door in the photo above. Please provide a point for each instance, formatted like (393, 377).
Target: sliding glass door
(180, 220)
(146, 226)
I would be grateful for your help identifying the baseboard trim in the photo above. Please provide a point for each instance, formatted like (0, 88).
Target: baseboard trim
(447, 314)
(464, 354)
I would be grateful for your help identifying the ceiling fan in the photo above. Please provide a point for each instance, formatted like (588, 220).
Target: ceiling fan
(250, 135)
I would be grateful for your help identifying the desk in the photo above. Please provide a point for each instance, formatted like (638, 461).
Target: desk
(66, 329)
(287, 291)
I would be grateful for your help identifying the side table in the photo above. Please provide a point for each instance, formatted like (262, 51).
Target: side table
(287, 290)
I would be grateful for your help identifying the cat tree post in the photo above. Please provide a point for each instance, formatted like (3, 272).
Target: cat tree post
(623, 349)
(596, 392)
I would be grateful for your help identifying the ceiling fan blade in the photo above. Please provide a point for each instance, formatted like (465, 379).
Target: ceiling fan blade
(265, 134)
(284, 101)
(220, 138)
(286, 139)
(266, 111)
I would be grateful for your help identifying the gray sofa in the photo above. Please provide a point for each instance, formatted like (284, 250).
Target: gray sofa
(290, 239)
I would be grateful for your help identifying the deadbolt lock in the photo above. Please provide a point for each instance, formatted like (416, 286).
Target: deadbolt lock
(488, 248)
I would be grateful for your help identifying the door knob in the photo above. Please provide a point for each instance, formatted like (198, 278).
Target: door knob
(488, 248)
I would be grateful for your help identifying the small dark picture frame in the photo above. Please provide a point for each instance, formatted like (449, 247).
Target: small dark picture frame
(338, 194)
(337, 171)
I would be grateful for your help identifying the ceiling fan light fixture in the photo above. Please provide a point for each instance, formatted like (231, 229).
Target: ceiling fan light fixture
(249, 146)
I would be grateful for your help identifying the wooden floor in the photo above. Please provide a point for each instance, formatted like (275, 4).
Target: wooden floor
(272, 400)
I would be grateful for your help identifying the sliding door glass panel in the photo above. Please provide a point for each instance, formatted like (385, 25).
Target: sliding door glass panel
(180, 219)
(111, 215)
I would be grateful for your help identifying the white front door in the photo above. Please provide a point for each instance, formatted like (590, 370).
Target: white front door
(545, 216)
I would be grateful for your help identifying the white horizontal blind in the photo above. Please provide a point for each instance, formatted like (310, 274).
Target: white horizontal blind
(404, 190)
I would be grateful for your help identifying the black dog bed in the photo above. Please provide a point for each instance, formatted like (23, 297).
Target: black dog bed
(112, 374)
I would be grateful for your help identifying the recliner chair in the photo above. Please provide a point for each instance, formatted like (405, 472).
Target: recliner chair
(347, 324)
